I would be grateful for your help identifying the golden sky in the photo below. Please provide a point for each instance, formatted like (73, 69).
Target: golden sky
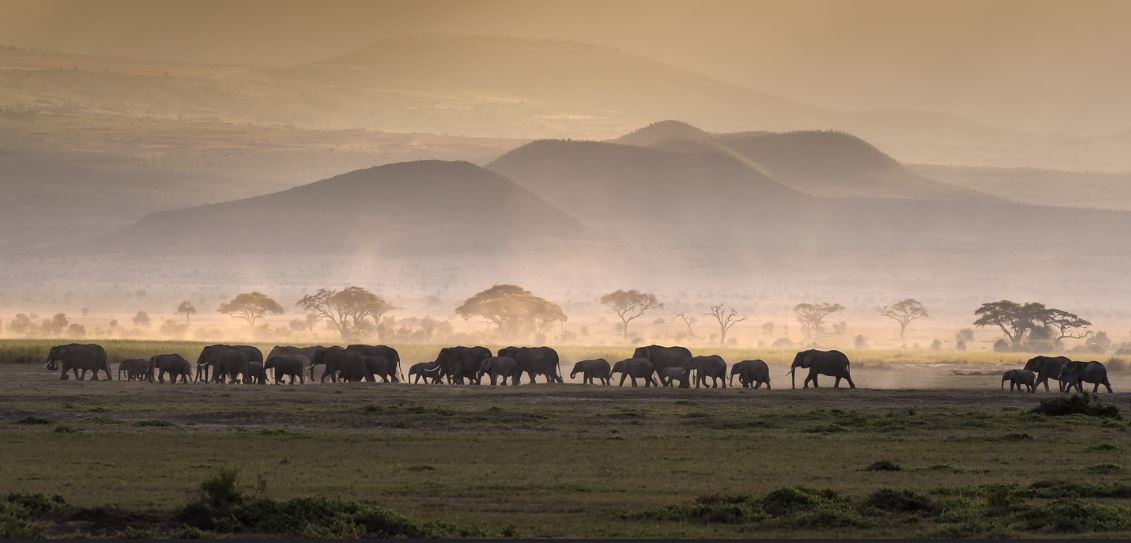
(1034, 65)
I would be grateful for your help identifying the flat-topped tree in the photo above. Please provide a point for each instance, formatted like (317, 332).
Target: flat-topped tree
(250, 306)
(1018, 321)
(904, 312)
(347, 309)
(812, 315)
(513, 309)
(630, 305)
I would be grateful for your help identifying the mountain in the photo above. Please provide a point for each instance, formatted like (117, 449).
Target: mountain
(421, 207)
(1096, 190)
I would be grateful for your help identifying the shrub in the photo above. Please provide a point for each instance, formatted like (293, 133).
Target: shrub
(33, 421)
(220, 491)
(789, 500)
(900, 501)
(1077, 404)
(883, 465)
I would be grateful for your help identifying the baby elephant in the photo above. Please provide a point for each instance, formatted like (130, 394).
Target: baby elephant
(636, 368)
(1018, 379)
(256, 373)
(499, 366)
(136, 369)
(597, 368)
(678, 374)
(749, 372)
(173, 364)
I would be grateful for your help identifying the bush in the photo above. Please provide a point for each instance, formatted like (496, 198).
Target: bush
(901, 501)
(220, 491)
(1077, 404)
(883, 465)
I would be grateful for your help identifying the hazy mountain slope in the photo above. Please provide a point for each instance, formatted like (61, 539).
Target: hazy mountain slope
(405, 208)
(1096, 190)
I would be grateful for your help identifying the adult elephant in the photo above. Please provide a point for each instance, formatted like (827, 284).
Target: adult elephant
(379, 366)
(305, 353)
(429, 371)
(136, 369)
(499, 366)
(597, 368)
(203, 366)
(832, 363)
(226, 363)
(749, 372)
(535, 361)
(1093, 372)
(710, 366)
(340, 363)
(73, 357)
(459, 363)
(286, 365)
(173, 364)
(664, 357)
(676, 373)
(1046, 367)
(384, 351)
(636, 368)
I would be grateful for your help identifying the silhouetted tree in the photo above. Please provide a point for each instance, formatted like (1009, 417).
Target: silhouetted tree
(689, 320)
(811, 315)
(21, 324)
(54, 326)
(1034, 319)
(186, 310)
(726, 320)
(347, 309)
(629, 305)
(513, 309)
(904, 312)
(250, 307)
(141, 319)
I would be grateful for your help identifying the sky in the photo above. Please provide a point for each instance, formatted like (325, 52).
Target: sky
(1033, 65)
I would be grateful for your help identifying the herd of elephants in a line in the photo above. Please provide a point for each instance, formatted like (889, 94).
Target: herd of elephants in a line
(654, 365)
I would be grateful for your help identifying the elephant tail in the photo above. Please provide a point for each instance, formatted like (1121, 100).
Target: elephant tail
(399, 372)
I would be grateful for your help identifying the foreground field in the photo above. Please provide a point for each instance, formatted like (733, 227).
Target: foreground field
(568, 460)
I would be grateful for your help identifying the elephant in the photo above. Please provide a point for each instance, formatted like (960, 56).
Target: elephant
(306, 353)
(388, 353)
(712, 366)
(252, 354)
(597, 368)
(636, 368)
(73, 357)
(499, 366)
(1075, 373)
(676, 373)
(1046, 367)
(380, 366)
(136, 369)
(664, 357)
(173, 364)
(426, 371)
(287, 364)
(459, 363)
(749, 372)
(833, 363)
(225, 361)
(340, 363)
(535, 361)
(257, 373)
(1019, 379)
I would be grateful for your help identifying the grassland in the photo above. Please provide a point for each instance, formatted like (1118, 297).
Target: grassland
(568, 460)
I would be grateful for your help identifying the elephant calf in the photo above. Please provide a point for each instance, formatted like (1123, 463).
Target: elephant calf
(597, 368)
(750, 372)
(711, 367)
(677, 374)
(257, 374)
(636, 368)
(287, 365)
(174, 365)
(427, 371)
(1018, 379)
(500, 366)
(136, 369)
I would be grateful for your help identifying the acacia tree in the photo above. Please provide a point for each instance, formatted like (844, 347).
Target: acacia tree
(513, 309)
(346, 309)
(1017, 321)
(186, 310)
(688, 320)
(904, 312)
(629, 305)
(250, 306)
(811, 315)
(725, 319)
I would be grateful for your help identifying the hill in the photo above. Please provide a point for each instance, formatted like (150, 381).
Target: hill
(1096, 190)
(418, 207)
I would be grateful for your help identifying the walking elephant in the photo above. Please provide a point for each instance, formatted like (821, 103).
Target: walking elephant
(1046, 367)
(342, 364)
(636, 368)
(287, 365)
(499, 366)
(136, 369)
(831, 363)
(676, 374)
(1093, 372)
(388, 353)
(226, 362)
(750, 372)
(306, 353)
(1019, 380)
(711, 366)
(173, 364)
(535, 361)
(429, 371)
(257, 373)
(597, 368)
(459, 363)
(379, 366)
(664, 357)
(73, 357)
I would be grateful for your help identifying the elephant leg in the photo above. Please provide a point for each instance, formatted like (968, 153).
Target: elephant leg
(836, 384)
(622, 377)
(850, 383)
(634, 381)
(1044, 380)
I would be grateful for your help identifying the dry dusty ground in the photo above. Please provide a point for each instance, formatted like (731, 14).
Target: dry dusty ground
(573, 460)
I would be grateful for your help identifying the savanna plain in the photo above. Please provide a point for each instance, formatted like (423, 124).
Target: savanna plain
(929, 445)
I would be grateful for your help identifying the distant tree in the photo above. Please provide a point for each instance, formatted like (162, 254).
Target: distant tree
(811, 315)
(173, 328)
(76, 330)
(936, 345)
(250, 307)
(1017, 321)
(629, 305)
(1098, 343)
(726, 319)
(767, 328)
(961, 337)
(298, 325)
(346, 310)
(904, 312)
(688, 320)
(141, 319)
(54, 326)
(513, 309)
(186, 310)
(860, 343)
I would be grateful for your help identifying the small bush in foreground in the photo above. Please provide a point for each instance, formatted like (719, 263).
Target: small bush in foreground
(1077, 404)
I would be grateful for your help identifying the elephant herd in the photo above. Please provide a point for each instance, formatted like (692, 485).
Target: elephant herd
(653, 365)
(1069, 373)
